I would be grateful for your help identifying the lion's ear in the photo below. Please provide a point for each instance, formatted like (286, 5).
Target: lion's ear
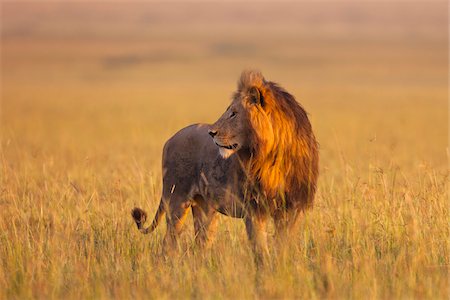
(255, 96)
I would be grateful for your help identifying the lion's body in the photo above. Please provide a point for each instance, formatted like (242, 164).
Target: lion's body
(194, 169)
(261, 161)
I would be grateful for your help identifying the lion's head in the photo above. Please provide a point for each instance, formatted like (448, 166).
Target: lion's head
(246, 121)
(267, 122)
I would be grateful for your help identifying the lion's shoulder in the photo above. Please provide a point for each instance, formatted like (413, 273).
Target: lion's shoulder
(189, 145)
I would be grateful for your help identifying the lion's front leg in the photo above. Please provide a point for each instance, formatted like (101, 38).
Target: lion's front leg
(256, 227)
(286, 231)
(286, 224)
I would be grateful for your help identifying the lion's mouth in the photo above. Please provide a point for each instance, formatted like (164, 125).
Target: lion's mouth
(229, 147)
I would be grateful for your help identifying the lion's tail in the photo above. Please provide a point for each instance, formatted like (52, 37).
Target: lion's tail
(140, 216)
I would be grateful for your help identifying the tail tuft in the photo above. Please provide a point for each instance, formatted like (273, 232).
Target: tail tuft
(139, 216)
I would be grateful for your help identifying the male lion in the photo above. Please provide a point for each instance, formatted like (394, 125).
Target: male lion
(259, 160)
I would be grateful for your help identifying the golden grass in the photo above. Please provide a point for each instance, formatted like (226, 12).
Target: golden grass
(81, 145)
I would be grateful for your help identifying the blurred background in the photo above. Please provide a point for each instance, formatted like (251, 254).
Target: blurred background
(98, 74)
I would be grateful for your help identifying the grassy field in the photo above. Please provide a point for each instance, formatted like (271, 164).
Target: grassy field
(90, 93)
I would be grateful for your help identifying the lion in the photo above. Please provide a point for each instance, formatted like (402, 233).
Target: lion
(258, 161)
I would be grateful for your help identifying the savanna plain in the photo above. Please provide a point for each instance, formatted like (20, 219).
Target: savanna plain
(90, 93)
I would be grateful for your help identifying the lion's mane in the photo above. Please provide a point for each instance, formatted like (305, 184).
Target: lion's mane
(285, 159)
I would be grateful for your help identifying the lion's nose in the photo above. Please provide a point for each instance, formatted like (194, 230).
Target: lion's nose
(212, 133)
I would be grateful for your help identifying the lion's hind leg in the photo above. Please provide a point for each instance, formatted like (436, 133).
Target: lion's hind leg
(205, 222)
(177, 209)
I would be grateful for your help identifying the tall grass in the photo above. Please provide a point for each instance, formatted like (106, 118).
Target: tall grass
(378, 229)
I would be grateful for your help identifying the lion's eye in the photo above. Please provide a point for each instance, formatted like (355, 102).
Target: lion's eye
(233, 114)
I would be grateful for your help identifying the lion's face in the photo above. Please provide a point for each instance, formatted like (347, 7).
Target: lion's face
(230, 133)
(242, 124)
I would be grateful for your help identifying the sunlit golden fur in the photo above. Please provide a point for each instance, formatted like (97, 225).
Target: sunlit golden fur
(284, 150)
